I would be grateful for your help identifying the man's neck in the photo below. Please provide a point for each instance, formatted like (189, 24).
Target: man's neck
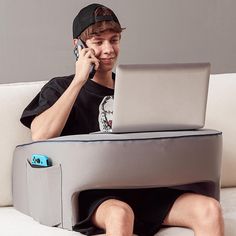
(104, 79)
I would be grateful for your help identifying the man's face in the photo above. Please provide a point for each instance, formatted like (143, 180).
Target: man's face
(106, 47)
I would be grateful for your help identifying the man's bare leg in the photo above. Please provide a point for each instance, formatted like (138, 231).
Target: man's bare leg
(115, 217)
(200, 213)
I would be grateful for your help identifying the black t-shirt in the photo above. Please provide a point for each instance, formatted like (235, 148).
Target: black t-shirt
(91, 112)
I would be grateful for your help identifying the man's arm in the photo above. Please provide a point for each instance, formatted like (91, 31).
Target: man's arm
(51, 122)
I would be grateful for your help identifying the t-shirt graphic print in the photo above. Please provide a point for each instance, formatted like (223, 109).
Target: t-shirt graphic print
(106, 114)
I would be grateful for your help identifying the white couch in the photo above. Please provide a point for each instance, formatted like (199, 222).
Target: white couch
(221, 115)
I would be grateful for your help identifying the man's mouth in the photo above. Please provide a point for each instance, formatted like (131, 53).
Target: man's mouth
(107, 60)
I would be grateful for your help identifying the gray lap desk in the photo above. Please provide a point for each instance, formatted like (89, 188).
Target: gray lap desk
(181, 159)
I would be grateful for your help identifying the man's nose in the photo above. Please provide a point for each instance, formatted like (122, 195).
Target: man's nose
(107, 47)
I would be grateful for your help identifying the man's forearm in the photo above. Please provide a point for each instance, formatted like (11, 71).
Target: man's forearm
(51, 122)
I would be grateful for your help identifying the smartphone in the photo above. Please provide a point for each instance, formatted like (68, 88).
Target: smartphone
(81, 45)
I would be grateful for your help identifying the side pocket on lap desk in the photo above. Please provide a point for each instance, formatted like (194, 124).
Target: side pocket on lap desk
(44, 194)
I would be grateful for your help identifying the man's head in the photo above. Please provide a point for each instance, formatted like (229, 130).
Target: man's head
(98, 27)
(94, 19)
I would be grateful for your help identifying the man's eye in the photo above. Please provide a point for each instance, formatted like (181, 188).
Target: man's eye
(115, 40)
(98, 43)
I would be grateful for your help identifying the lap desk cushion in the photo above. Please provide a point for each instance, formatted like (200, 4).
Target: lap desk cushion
(183, 159)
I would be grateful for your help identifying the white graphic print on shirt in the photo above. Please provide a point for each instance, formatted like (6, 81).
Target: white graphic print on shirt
(106, 113)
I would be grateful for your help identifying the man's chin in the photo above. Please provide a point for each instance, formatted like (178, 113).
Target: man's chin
(105, 68)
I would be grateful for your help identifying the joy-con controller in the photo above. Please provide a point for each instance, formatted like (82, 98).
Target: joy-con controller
(39, 160)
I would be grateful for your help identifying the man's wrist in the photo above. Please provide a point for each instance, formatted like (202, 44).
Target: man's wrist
(77, 81)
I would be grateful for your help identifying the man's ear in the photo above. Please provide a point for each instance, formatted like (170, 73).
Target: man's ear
(75, 41)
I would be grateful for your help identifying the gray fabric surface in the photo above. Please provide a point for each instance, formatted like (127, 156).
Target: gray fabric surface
(187, 159)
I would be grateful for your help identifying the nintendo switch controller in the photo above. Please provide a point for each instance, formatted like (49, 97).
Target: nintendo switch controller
(38, 160)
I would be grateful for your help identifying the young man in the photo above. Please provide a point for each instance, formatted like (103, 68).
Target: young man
(80, 104)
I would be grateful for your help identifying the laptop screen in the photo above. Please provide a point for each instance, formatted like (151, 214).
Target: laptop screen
(160, 97)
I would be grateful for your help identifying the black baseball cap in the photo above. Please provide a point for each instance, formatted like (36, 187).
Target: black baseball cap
(86, 17)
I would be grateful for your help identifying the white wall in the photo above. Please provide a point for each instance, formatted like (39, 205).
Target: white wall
(36, 37)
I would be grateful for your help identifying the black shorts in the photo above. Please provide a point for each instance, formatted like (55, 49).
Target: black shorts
(150, 207)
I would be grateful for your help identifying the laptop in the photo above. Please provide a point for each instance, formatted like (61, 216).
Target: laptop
(158, 97)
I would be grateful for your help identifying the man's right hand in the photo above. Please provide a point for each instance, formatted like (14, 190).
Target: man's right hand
(84, 63)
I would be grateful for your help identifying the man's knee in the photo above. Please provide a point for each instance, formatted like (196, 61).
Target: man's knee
(208, 212)
(113, 211)
(120, 212)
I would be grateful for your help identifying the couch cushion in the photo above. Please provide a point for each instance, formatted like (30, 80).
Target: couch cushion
(221, 115)
(13, 98)
(228, 203)
(14, 223)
